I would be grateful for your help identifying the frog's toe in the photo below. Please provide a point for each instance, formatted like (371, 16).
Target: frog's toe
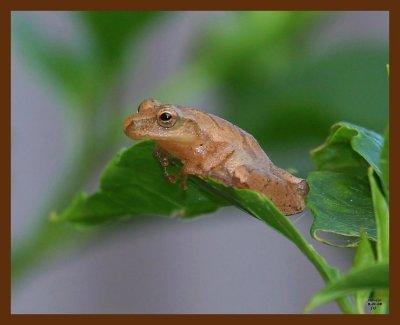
(171, 178)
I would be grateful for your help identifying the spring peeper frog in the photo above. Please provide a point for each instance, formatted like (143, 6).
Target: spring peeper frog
(209, 146)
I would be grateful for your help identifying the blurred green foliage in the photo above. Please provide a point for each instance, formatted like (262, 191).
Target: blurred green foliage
(275, 86)
(263, 66)
(112, 32)
(86, 78)
(87, 75)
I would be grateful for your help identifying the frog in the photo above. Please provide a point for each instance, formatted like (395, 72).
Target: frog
(209, 146)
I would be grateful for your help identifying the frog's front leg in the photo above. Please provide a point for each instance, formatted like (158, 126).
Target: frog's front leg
(164, 160)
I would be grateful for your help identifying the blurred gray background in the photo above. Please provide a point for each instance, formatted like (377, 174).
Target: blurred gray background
(226, 262)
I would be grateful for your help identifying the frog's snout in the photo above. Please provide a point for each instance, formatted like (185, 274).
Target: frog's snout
(134, 127)
(127, 124)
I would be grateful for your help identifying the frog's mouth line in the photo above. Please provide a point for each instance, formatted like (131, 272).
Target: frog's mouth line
(159, 138)
(133, 124)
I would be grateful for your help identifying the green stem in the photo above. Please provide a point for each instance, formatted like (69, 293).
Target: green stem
(327, 272)
(47, 235)
(255, 205)
(324, 269)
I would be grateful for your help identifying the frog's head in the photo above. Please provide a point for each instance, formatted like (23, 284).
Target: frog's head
(160, 122)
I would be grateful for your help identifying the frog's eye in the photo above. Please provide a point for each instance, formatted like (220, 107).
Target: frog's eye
(167, 118)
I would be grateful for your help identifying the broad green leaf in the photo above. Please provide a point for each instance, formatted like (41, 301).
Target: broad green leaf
(341, 205)
(364, 257)
(384, 163)
(368, 278)
(133, 184)
(340, 196)
(382, 219)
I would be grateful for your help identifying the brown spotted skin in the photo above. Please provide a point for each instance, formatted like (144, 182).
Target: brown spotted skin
(209, 146)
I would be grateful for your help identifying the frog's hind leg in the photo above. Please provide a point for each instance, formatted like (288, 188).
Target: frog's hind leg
(164, 160)
(287, 193)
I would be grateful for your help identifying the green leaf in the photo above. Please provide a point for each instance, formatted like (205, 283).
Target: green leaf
(382, 224)
(133, 184)
(382, 219)
(364, 257)
(384, 163)
(369, 278)
(341, 205)
(349, 149)
(340, 197)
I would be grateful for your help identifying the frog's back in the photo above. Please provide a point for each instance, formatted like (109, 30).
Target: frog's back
(221, 130)
(247, 165)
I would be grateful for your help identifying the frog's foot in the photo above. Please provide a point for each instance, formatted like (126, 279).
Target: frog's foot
(164, 160)
(170, 178)
(183, 177)
(188, 169)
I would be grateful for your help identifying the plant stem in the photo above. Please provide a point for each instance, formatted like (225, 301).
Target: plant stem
(47, 235)
(324, 269)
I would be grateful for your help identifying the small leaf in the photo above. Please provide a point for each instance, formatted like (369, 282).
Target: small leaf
(349, 149)
(364, 254)
(369, 278)
(364, 257)
(381, 217)
(384, 163)
(341, 204)
(339, 192)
